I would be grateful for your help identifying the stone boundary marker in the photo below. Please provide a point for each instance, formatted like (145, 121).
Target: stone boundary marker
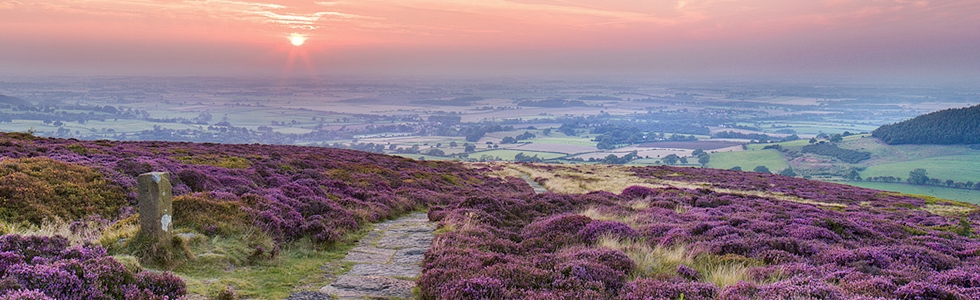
(156, 206)
(386, 261)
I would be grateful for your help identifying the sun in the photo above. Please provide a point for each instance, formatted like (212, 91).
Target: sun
(297, 39)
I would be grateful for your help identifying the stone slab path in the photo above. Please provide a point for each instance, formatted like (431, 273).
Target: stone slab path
(386, 261)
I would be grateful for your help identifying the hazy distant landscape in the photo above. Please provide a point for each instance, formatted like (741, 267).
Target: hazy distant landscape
(736, 125)
(495, 149)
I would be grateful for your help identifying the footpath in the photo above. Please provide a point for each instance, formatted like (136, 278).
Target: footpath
(386, 262)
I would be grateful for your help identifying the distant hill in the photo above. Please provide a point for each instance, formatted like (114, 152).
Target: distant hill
(945, 127)
(14, 101)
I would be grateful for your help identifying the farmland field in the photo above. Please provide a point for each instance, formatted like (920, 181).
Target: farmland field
(509, 154)
(704, 145)
(969, 196)
(748, 160)
(959, 168)
(560, 139)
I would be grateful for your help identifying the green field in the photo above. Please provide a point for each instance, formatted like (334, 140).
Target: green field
(970, 196)
(561, 139)
(423, 157)
(748, 160)
(509, 154)
(796, 143)
(960, 168)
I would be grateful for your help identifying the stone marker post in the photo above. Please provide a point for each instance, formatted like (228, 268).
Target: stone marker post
(156, 206)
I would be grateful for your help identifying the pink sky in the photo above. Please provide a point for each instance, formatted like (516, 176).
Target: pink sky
(755, 38)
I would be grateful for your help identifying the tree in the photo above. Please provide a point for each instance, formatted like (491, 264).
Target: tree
(788, 172)
(467, 148)
(508, 140)
(736, 168)
(836, 138)
(918, 176)
(762, 169)
(671, 159)
(950, 182)
(435, 152)
(853, 176)
(683, 160)
(703, 160)
(698, 152)
(453, 144)
(813, 140)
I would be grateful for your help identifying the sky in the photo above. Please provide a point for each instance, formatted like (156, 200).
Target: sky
(910, 39)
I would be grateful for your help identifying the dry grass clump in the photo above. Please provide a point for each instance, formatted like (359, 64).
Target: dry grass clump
(649, 260)
(652, 261)
(596, 214)
(80, 232)
(580, 179)
(577, 179)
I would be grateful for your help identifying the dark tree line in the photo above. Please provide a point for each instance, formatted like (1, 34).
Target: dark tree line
(845, 155)
(945, 127)
(762, 138)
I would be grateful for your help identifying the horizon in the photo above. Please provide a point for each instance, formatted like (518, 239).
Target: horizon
(885, 41)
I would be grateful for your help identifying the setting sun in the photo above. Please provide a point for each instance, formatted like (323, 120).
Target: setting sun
(297, 39)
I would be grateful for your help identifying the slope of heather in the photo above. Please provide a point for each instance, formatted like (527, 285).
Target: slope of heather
(263, 197)
(612, 232)
(945, 127)
(720, 235)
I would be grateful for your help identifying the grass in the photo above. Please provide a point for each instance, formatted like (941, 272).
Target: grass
(577, 179)
(300, 266)
(509, 154)
(424, 157)
(561, 139)
(652, 261)
(968, 196)
(959, 168)
(748, 160)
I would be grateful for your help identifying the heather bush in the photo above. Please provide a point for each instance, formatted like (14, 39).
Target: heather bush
(637, 192)
(591, 232)
(800, 287)
(583, 274)
(25, 295)
(688, 273)
(643, 289)
(37, 267)
(483, 288)
(924, 290)
(34, 189)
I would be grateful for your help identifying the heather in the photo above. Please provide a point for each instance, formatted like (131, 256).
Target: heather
(235, 205)
(613, 233)
(34, 267)
(737, 236)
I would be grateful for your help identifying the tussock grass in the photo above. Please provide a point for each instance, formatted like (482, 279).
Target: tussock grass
(577, 179)
(652, 261)
(596, 214)
(723, 275)
(77, 233)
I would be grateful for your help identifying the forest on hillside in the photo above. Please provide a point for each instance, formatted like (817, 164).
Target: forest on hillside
(945, 127)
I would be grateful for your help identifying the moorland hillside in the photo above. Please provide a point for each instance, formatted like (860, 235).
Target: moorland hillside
(601, 232)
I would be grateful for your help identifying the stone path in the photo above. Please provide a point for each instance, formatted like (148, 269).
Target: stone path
(538, 188)
(386, 261)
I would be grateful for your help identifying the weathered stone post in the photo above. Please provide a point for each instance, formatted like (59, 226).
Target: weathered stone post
(156, 207)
